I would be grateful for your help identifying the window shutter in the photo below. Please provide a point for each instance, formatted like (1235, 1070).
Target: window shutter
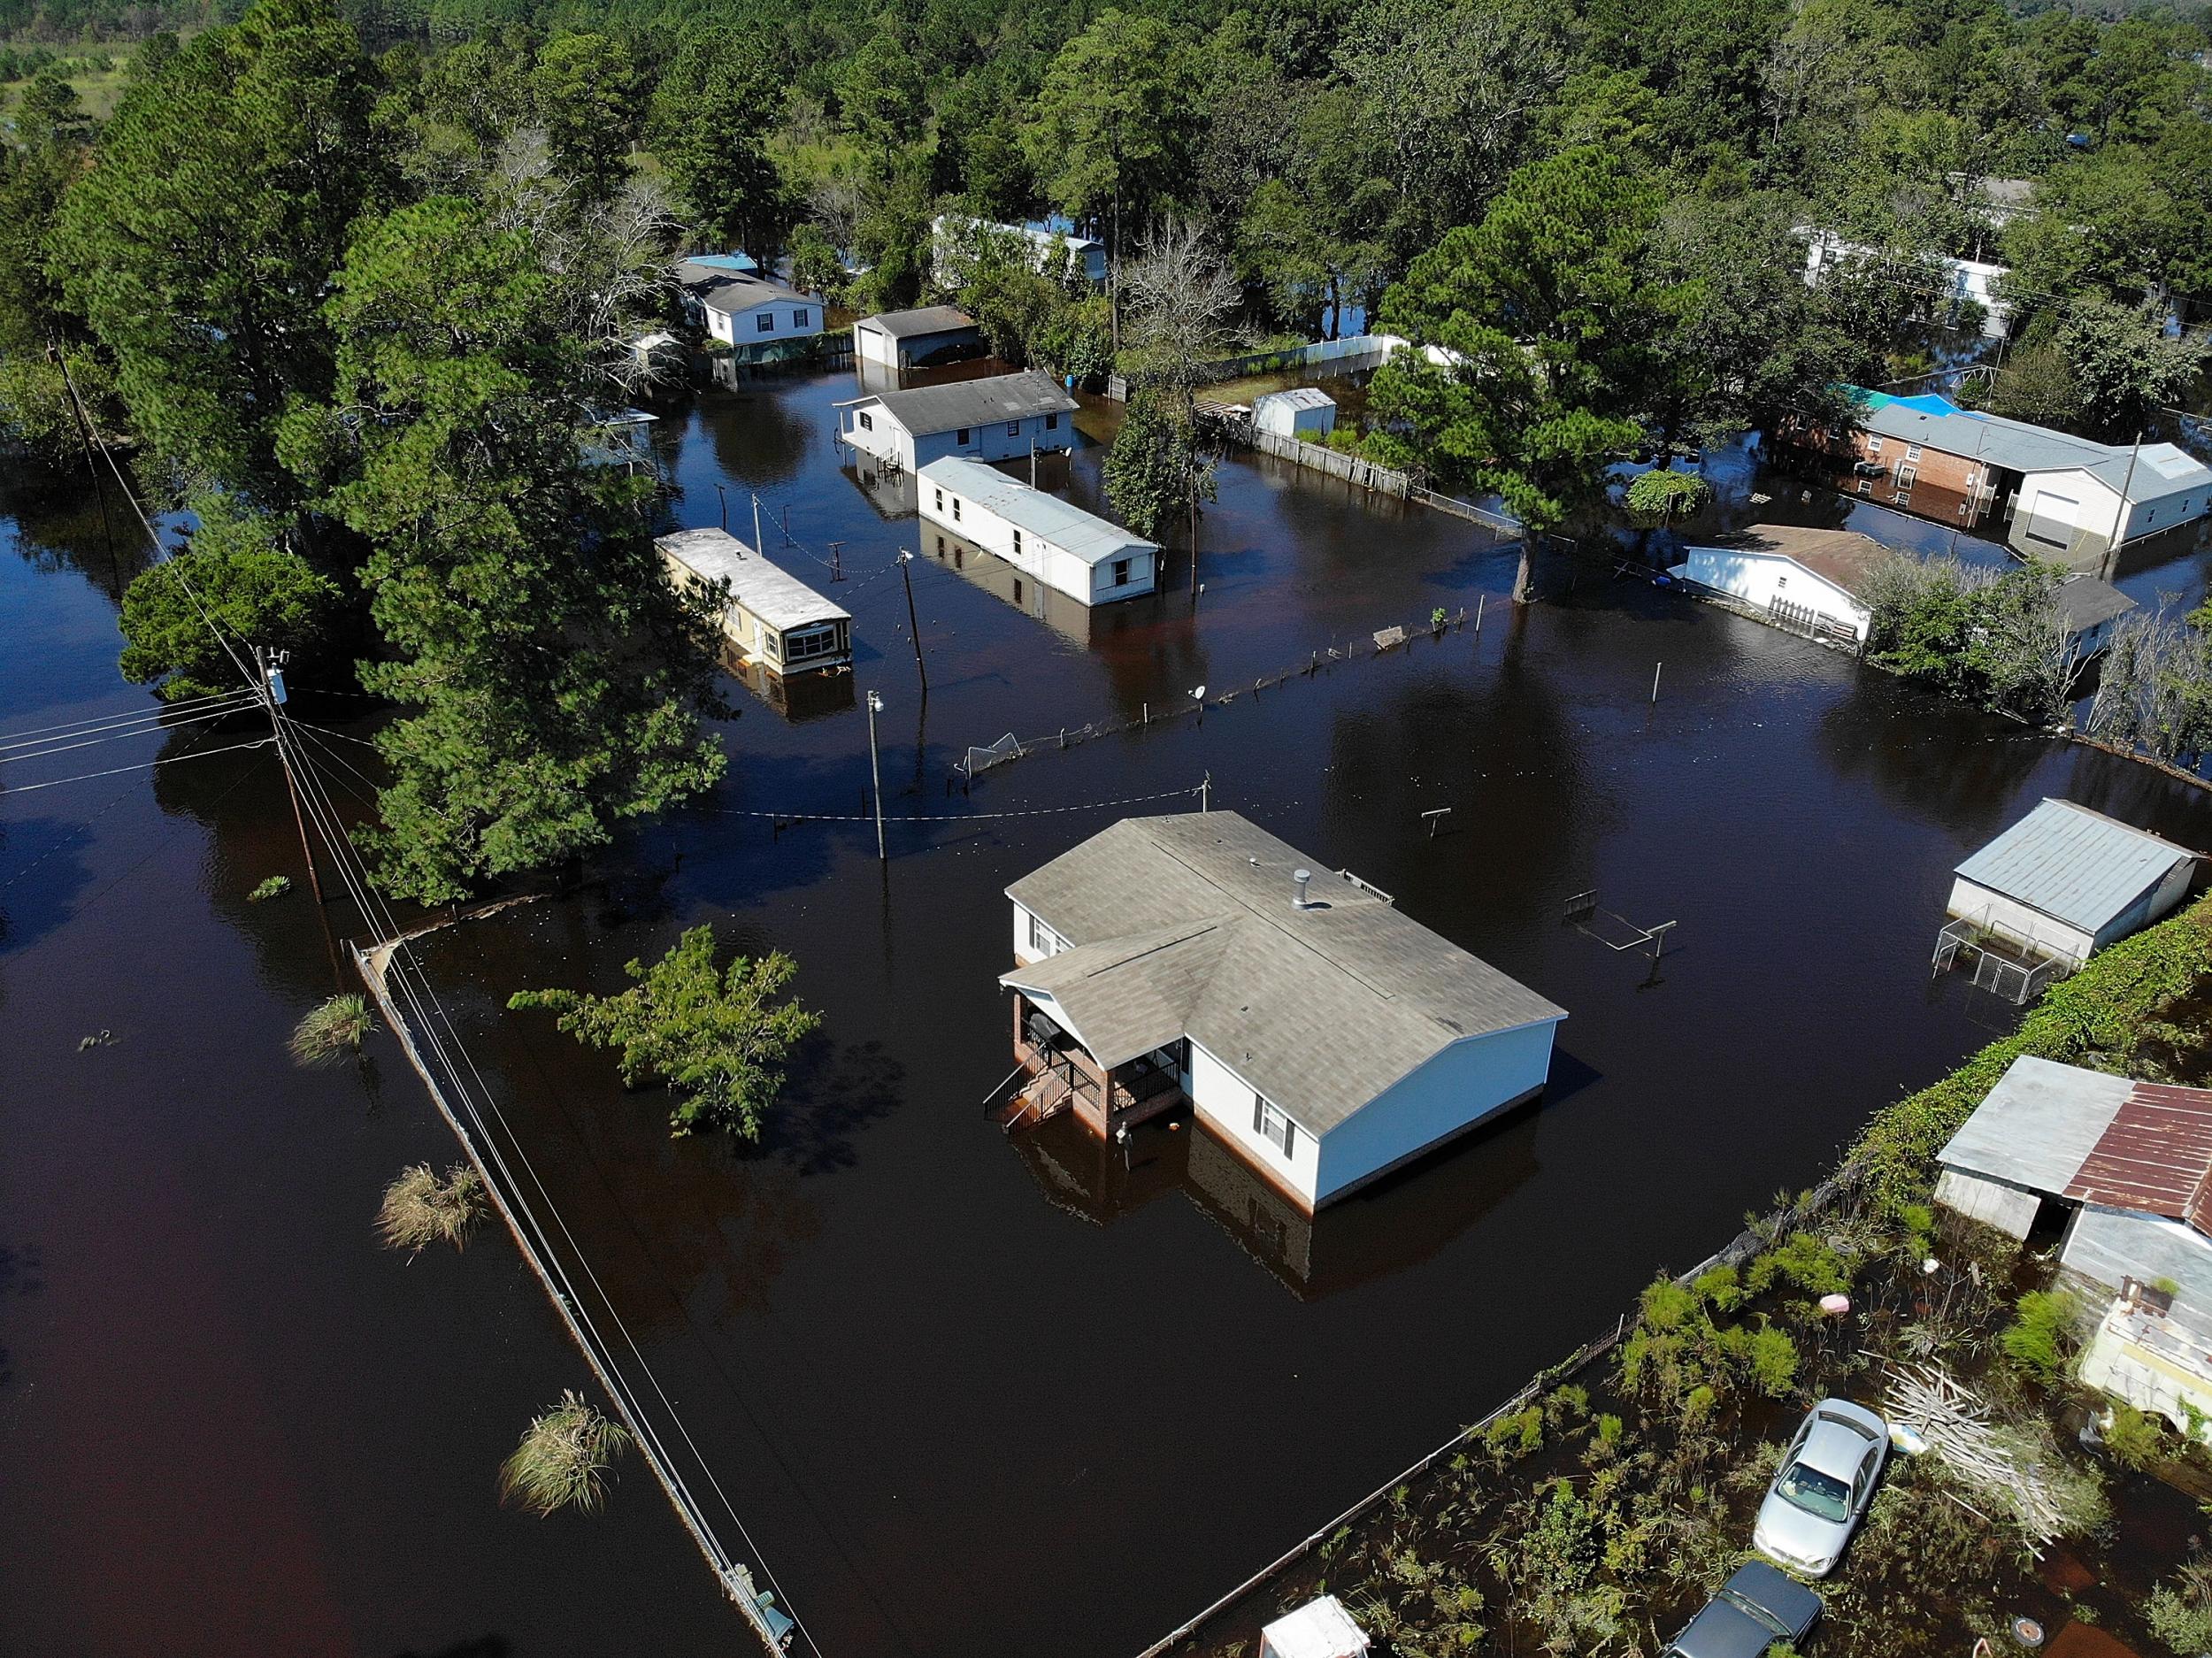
(1259, 1114)
(1290, 1137)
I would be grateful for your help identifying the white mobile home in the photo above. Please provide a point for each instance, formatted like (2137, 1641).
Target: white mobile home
(996, 419)
(916, 339)
(743, 310)
(2065, 882)
(1800, 578)
(1303, 411)
(1054, 250)
(1971, 280)
(776, 621)
(1069, 550)
(1321, 1034)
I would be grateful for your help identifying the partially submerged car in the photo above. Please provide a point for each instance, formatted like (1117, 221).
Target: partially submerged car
(1821, 1490)
(1754, 1609)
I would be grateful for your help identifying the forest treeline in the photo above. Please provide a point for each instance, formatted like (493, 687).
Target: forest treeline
(354, 285)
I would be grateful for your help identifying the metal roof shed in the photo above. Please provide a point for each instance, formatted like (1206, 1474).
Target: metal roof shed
(1320, 1629)
(2065, 882)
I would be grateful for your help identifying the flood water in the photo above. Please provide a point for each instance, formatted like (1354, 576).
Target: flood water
(968, 1393)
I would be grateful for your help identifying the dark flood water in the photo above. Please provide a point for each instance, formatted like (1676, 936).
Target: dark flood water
(968, 1394)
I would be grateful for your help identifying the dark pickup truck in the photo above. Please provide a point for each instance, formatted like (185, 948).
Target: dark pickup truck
(1757, 1606)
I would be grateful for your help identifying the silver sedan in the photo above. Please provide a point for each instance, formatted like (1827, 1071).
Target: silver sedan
(1821, 1491)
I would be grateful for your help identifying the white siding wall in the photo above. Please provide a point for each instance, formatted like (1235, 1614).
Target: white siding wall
(1034, 557)
(2016, 921)
(1144, 576)
(1759, 579)
(2009, 1210)
(1222, 1101)
(744, 327)
(1022, 954)
(887, 440)
(872, 345)
(1467, 1082)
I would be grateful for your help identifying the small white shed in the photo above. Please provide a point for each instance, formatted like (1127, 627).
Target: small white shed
(1320, 1629)
(1303, 411)
(1086, 558)
(1801, 578)
(2065, 882)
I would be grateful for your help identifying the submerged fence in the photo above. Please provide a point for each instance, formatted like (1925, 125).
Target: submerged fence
(1352, 468)
(1355, 648)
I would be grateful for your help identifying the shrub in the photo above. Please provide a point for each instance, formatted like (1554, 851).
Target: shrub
(2179, 1612)
(419, 1208)
(276, 886)
(338, 1027)
(2135, 1438)
(564, 1459)
(1771, 1358)
(2040, 1341)
(1804, 1261)
(1721, 1286)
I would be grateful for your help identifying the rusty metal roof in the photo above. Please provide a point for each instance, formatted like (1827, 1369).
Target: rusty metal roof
(2155, 1157)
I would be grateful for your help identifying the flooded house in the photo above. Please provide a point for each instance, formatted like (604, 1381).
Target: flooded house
(779, 628)
(2092, 611)
(1049, 540)
(1001, 418)
(1317, 1031)
(2069, 499)
(2125, 1168)
(1808, 580)
(1302, 411)
(916, 339)
(744, 310)
(2053, 889)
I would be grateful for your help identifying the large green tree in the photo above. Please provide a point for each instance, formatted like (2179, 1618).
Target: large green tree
(587, 95)
(711, 117)
(554, 679)
(201, 242)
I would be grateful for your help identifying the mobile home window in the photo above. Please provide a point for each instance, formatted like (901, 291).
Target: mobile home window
(956, 508)
(1013, 428)
(941, 501)
(1052, 423)
(798, 319)
(767, 322)
(961, 436)
(1017, 543)
(814, 641)
(1121, 572)
(1272, 1127)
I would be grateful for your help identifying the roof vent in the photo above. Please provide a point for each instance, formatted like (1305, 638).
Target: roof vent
(1304, 878)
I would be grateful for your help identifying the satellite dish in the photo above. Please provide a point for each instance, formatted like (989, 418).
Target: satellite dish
(1199, 696)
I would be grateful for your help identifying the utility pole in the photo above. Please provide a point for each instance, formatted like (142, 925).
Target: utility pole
(875, 706)
(913, 625)
(1194, 533)
(1206, 793)
(723, 494)
(2120, 524)
(837, 561)
(758, 545)
(1032, 463)
(272, 667)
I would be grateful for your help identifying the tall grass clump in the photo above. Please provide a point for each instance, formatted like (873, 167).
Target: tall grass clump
(336, 1028)
(420, 1208)
(276, 886)
(564, 1459)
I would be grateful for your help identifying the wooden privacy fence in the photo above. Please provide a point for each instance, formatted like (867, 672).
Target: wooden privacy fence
(1352, 468)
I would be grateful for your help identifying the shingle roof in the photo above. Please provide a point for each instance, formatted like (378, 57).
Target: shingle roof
(1320, 1009)
(1047, 518)
(779, 599)
(2019, 447)
(2083, 602)
(904, 325)
(732, 292)
(2074, 864)
(928, 410)
(1842, 556)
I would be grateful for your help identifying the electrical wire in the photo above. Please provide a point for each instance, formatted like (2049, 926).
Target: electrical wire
(70, 727)
(28, 788)
(245, 701)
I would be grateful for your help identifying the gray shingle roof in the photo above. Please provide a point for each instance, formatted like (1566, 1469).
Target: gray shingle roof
(1320, 1009)
(1082, 534)
(2074, 864)
(734, 292)
(2083, 602)
(928, 410)
(778, 598)
(904, 325)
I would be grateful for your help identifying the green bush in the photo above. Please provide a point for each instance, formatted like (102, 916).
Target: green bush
(2040, 1341)
(1803, 1260)
(2179, 1612)
(2135, 1438)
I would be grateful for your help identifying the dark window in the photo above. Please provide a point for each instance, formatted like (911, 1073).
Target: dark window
(961, 436)
(1121, 572)
(941, 501)
(1017, 543)
(956, 508)
(767, 323)
(868, 422)
(940, 545)
(1052, 423)
(1013, 428)
(798, 319)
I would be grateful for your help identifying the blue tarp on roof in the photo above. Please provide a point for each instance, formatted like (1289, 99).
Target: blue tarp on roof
(726, 261)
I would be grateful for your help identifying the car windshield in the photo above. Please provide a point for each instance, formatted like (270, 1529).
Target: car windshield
(1815, 1493)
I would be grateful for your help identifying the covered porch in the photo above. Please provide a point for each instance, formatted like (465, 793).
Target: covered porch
(1063, 1075)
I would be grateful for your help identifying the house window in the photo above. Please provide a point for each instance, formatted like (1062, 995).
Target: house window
(956, 508)
(1017, 543)
(1781, 582)
(1121, 572)
(767, 323)
(2151, 517)
(1912, 452)
(1013, 428)
(961, 436)
(867, 423)
(1273, 1127)
(1042, 940)
(1874, 446)
(798, 319)
(941, 501)
(1052, 423)
(1904, 497)
(1863, 486)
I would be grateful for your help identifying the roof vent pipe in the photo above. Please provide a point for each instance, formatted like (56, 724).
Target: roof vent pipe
(1304, 878)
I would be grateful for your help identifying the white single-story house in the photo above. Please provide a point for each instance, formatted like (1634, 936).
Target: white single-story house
(743, 309)
(2065, 882)
(1320, 1629)
(2129, 1164)
(1301, 412)
(994, 419)
(1321, 1034)
(1972, 279)
(2092, 611)
(1805, 578)
(916, 339)
(776, 621)
(1070, 551)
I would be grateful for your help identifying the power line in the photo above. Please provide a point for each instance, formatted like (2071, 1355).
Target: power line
(200, 754)
(244, 700)
(100, 721)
